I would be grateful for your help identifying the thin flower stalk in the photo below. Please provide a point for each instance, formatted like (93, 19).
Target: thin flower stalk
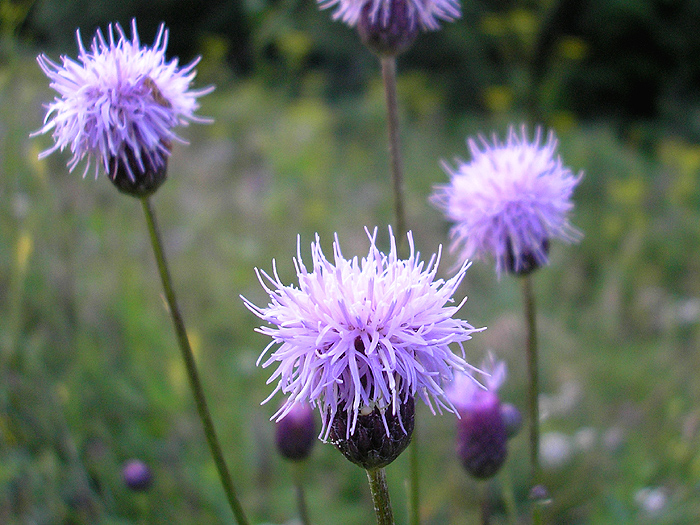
(388, 64)
(532, 373)
(116, 107)
(191, 365)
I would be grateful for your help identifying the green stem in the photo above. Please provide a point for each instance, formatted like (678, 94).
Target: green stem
(392, 109)
(485, 507)
(380, 496)
(532, 371)
(413, 496)
(191, 365)
(509, 498)
(298, 475)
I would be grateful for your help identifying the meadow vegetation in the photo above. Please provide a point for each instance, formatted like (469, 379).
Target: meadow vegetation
(91, 377)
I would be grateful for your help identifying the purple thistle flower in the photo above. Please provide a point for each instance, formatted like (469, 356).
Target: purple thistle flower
(423, 13)
(509, 201)
(482, 432)
(119, 104)
(359, 335)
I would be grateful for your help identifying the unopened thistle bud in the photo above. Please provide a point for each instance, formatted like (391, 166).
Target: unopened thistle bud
(295, 433)
(512, 419)
(481, 437)
(137, 476)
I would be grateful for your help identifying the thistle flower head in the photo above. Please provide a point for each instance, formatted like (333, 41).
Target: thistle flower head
(417, 13)
(118, 104)
(509, 201)
(359, 335)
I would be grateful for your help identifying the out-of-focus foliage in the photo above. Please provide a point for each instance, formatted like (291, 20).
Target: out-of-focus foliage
(624, 60)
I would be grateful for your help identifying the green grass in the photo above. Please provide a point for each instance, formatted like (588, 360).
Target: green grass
(90, 375)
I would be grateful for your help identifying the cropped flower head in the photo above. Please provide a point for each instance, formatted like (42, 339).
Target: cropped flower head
(509, 201)
(389, 27)
(118, 104)
(422, 13)
(357, 337)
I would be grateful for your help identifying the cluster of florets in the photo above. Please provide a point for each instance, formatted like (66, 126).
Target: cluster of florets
(508, 201)
(389, 27)
(356, 335)
(117, 107)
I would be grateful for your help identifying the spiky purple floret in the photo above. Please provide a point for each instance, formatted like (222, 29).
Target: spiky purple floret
(425, 13)
(509, 200)
(358, 334)
(119, 97)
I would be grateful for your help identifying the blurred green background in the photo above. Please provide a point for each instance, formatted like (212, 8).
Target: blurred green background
(90, 374)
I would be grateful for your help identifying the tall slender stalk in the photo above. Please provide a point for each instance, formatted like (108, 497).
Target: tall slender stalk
(380, 496)
(413, 495)
(298, 477)
(532, 372)
(392, 109)
(190, 365)
(485, 506)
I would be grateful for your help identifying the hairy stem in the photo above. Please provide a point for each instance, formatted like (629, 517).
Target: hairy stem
(380, 496)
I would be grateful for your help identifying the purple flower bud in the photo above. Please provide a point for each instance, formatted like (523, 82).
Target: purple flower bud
(137, 476)
(540, 495)
(512, 419)
(481, 429)
(481, 437)
(295, 433)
